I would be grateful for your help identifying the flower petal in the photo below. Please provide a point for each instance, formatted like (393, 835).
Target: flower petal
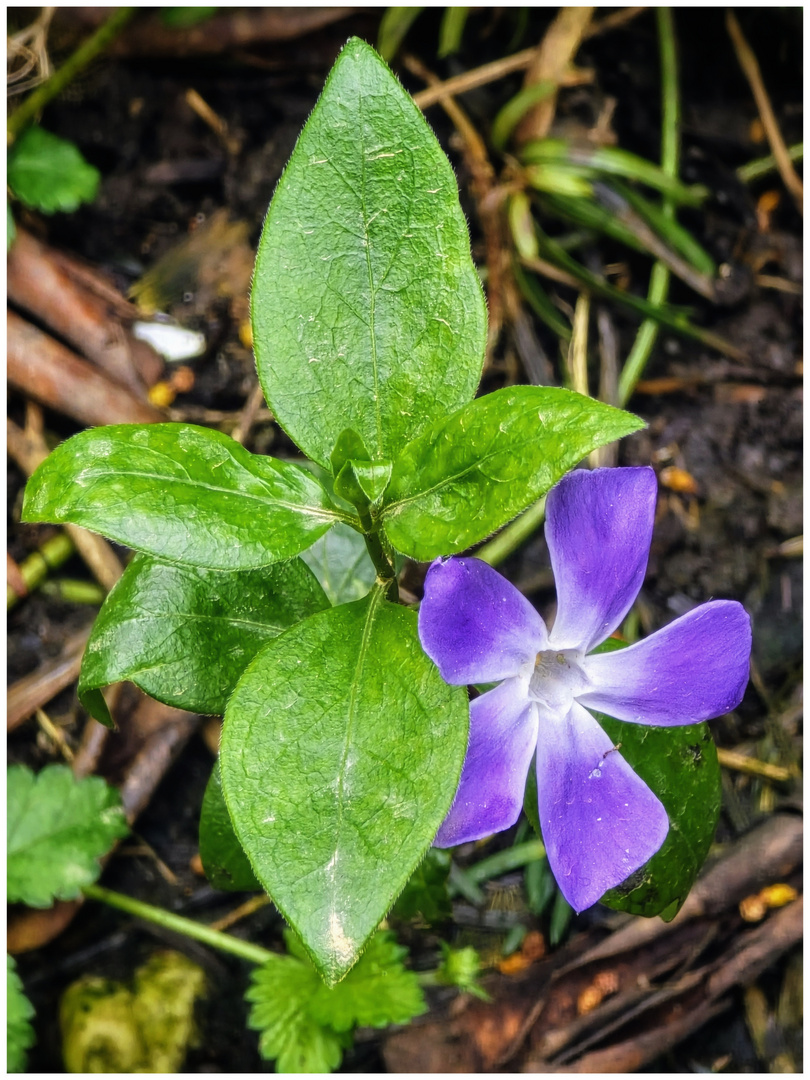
(503, 735)
(475, 625)
(693, 669)
(598, 530)
(600, 821)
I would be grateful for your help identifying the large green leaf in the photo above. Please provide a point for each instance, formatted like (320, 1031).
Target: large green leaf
(341, 563)
(58, 828)
(50, 174)
(184, 493)
(367, 310)
(184, 635)
(341, 753)
(680, 765)
(225, 863)
(470, 473)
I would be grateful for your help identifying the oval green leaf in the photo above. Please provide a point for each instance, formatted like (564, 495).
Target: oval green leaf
(225, 863)
(183, 493)
(184, 635)
(367, 310)
(469, 474)
(680, 765)
(341, 753)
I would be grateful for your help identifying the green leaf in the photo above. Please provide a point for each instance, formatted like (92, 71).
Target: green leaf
(305, 1025)
(451, 30)
(561, 915)
(341, 563)
(471, 473)
(426, 892)
(49, 174)
(19, 1012)
(183, 493)
(328, 739)
(184, 635)
(225, 863)
(394, 25)
(58, 828)
(180, 18)
(367, 310)
(349, 446)
(680, 765)
(362, 483)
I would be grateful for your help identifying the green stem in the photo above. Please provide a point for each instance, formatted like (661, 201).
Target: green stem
(254, 954)
(72, 591)
(87, 51)
(670, 157)
(510, 538)
(34, 569)
(762, 166)
(503, 861)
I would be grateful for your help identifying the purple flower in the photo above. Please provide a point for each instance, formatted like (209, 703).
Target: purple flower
(600, 821)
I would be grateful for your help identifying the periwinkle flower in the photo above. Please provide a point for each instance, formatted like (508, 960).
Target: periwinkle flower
(600, 821)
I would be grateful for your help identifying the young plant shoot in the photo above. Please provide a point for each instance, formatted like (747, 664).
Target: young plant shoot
(343, 743)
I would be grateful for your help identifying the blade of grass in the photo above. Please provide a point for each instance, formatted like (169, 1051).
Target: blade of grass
(670, 158)
(762, 166)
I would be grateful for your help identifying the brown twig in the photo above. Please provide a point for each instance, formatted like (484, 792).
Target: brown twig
(553, 58)
(47, 371)
(519, 61)
(33, 691)
(43, 284)
(750, 66)
(248, 415)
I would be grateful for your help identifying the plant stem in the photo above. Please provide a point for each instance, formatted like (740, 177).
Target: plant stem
(510, 538)
(87, 51)
(762, 166)
(670, 156)
(254, 954)
(503, 861)
(36, 567)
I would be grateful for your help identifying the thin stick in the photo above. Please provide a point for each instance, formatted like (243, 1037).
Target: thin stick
(519, 61)
(750, 66)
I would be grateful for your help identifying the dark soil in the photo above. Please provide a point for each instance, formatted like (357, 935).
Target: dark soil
(736, 429)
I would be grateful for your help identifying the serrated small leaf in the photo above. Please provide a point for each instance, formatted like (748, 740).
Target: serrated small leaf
(184, 635)
(470, 473)
(49, 174)
(58, 829)
(305, 1025)
(19, 1013)
(367, 310)
(379, 990)
(225, 863)
(327, 740)
(341, 563)
(182, 493)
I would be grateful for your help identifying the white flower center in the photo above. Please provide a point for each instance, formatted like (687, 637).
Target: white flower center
(557, 679)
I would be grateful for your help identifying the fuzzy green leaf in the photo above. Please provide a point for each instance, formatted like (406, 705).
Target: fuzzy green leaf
(49, 174)
(182, 493)
(328, 738)
(58, 829)
(184, 635)
(367, 310)
(471, 473)
(19, 1012)
(225, 863)
(305, 1025)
